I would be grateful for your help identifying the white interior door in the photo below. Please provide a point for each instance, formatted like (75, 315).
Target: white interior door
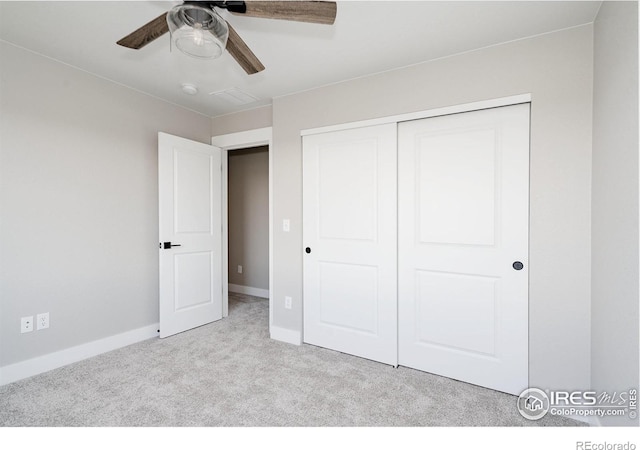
(190, 191)
(349, 229)
(463, 221)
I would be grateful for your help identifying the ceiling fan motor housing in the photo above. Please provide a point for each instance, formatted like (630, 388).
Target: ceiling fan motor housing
(232, 6)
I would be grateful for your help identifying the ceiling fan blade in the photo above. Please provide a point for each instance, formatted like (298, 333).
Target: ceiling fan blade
(312, 12)
(242, 53)
(146, 33)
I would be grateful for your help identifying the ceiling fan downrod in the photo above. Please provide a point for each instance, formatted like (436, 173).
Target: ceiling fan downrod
(231, 6)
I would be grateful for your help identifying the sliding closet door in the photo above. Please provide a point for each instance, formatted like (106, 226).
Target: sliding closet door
(349, 241)
(463, 246)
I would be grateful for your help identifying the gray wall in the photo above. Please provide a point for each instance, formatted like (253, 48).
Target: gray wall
(556, 68)
(249, 217)
(242, 121)
(614, 309)
(78, 202)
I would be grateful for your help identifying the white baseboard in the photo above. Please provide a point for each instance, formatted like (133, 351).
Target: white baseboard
(45, 363)
(286, 335)
(248, 290)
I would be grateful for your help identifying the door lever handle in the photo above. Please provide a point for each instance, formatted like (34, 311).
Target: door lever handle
(167, 245)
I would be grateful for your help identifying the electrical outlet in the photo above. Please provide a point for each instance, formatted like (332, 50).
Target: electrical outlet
(286, 225)
(26, 324)
(42, 321)
(239, 269)
(287, 302)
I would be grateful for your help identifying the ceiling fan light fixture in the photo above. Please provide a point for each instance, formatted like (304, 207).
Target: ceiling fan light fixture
(197, 31)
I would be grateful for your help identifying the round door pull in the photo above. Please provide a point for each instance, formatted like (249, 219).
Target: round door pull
(308, 250)
(518, 265)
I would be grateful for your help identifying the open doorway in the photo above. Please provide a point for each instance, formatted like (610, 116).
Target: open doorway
(229, 143)
(248, 225)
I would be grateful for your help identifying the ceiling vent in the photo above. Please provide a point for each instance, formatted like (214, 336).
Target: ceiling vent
(235, 96)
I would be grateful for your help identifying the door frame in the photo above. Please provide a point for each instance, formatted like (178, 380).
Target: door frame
(444, 111)
(238, 141)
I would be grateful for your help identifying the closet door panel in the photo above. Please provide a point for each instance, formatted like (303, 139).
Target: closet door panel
(463, 246)
(350, 231)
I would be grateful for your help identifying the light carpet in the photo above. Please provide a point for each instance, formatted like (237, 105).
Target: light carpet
(229, 373)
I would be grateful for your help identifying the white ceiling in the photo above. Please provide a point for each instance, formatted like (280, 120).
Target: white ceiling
(367, 37)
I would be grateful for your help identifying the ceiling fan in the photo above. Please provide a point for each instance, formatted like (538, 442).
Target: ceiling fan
(197, 29)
